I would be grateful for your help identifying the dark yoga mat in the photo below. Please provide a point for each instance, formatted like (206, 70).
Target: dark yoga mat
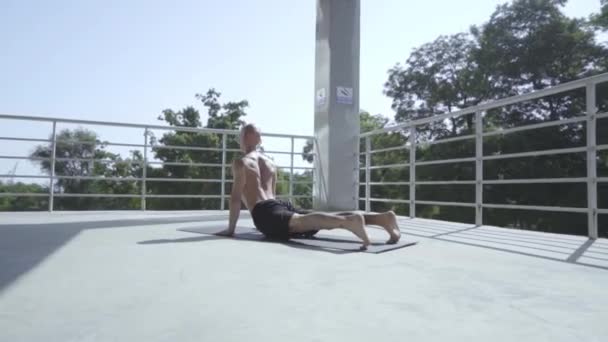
(321, 241)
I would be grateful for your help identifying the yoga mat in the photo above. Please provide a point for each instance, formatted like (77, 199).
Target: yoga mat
(320, 241)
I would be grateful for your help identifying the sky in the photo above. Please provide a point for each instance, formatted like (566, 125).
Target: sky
(126, 61)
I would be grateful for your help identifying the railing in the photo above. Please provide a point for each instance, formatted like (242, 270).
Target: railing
(591, 149)
(144, 194)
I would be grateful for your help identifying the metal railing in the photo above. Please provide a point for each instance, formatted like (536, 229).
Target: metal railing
(591, 149)
(144, 194)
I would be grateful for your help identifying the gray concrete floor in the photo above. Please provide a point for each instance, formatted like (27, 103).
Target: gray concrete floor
(131, 276)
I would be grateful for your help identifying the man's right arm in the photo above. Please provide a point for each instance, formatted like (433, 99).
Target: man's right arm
(238, 184)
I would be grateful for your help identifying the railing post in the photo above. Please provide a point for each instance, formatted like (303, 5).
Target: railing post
(144, 171)
(478, 169)
(368, 162)
(223, 185)
(291, 171)
(52, 176)
(591, 161)
(412, 186)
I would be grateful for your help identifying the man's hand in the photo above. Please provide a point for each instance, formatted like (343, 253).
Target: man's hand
(226, 232)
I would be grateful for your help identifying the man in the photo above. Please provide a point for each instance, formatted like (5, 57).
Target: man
(254, 183)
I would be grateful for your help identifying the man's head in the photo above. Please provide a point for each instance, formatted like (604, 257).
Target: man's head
(250, 137)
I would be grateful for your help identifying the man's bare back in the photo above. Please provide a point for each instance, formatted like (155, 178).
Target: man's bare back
(260, 175)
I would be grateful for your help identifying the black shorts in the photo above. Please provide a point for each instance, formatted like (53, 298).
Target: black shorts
(271, 217)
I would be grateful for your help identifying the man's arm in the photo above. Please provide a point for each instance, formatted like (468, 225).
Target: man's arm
(238, 184)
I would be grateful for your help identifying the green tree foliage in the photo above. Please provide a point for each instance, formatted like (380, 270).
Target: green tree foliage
(525, 45)
(600, 20)
(80, 153)
(22, 203)
(228, 115)
(438, 77)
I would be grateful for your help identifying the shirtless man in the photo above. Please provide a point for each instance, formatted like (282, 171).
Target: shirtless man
(255, 184)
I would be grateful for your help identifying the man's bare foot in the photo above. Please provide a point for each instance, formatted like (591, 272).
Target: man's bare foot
(388, 221)
(356, 225)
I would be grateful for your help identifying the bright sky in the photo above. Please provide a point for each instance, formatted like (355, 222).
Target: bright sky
(126, 61)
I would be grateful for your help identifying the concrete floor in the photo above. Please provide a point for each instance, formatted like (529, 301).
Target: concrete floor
(124, 276)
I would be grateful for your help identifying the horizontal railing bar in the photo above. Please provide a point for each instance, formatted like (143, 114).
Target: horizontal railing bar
(602, 147)
(80, 142)
(122, 144)
(99, 160)
(24, 158)
(536, 153)
(294, 182)
(386, 183)
(131, 161)
(536, 126)
(188, 148)
(24, 139)
(602, 179)
(388, 166)
(286, 152)
(23, 194)
(445, 161)
(274, 152)
(447, 140)
(186, 180)
(602, 115)
(388, 200)
(535, 181)
(535, 207)
(446, 204)
(602, 211)
(561, 88)
(181, 196)
(22, 176)
(97, 195)
(296, 167)
(388, 149)
(133, 125)
(463, 182)
(183, 164)
(294, 196)
(105, 143)
(101, 178)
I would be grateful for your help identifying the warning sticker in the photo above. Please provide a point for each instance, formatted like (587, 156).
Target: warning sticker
(345, 95)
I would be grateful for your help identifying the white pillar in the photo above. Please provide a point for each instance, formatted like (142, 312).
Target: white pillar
(337, 105)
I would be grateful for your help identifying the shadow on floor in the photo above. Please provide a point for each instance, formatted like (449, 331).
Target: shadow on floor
(23, 246)
(293, 244)
(573, 248)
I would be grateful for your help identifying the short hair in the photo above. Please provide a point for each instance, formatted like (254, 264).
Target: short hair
(249, 128)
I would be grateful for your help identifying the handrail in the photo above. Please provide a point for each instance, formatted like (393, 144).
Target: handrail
(142, 178)
(591, 148)
(497, 103)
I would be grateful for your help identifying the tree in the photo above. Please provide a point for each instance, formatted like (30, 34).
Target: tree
(600, 20)
(79, 153)
(530, 45)
(526, 45)
(439, 77)
(220, 116)
(22, 203)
